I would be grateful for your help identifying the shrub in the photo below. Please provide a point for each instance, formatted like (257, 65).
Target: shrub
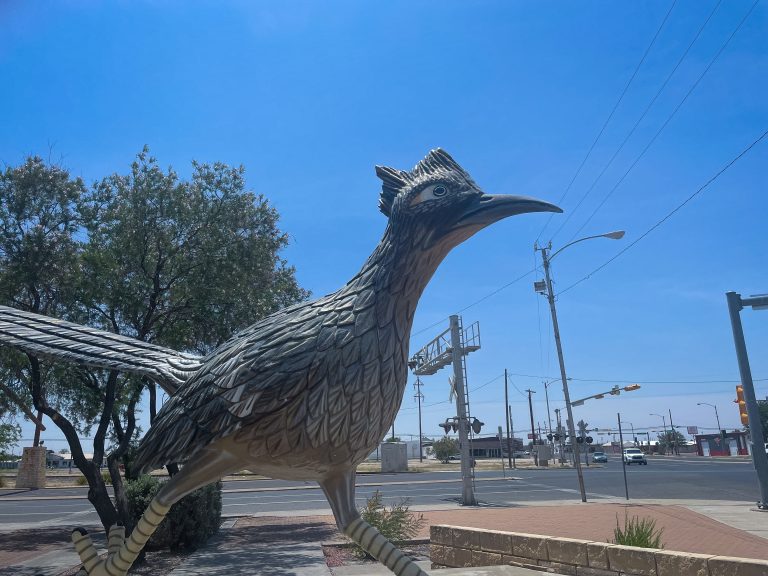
(396, 524)
(444, 448)
(81, 481)
(2, 482)
(641, 532)
(106, 477)
(190, 522)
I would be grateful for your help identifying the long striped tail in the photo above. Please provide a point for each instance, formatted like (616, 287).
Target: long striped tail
(122, 553)
(382, 549)
(56, 339)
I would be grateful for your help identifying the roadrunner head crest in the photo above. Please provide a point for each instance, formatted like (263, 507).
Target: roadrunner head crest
(437, 166)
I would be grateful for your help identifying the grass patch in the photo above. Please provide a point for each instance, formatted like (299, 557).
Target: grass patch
(396, 523)
(640, 532)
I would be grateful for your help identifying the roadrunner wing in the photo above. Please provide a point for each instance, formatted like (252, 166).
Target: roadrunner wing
(55, 339)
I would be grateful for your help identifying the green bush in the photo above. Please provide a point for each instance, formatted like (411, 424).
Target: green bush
(106, 477)
(81, 481)
(641, 532)
(396, 524)
(190, 522)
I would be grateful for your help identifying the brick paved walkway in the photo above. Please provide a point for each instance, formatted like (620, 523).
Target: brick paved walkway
(684, 530)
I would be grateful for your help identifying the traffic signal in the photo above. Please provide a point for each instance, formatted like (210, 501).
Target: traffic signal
(742, 405)
(723, 433)
(631, 387)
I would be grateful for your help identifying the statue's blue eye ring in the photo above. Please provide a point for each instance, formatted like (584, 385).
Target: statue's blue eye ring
(438, 191)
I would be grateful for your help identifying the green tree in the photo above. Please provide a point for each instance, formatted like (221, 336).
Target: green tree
(181, 263)
(762, 405)
(670, 440)
(444, 448)
(10, 433)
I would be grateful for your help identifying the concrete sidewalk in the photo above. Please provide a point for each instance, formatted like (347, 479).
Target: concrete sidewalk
(290, 545)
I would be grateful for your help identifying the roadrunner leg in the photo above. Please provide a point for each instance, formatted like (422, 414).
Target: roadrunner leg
(207, 467)
(340, 491)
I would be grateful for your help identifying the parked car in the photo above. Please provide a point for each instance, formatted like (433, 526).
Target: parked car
(599, 457)
(634, 455)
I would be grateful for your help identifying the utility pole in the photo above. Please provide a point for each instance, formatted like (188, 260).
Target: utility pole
(468, 493)
(546, 395)
(512, 426)
(567, 396)
(533, 429)
(507, 416)
(561, 433)
(419, 396)
(675, 447)
(756, 435)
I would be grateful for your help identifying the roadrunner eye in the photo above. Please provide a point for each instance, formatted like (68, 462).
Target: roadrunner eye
(438, 191)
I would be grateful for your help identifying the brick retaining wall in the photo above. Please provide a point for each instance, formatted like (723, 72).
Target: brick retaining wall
(457, 547)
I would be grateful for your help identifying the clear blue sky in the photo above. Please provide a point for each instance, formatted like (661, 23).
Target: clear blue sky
(309, 96)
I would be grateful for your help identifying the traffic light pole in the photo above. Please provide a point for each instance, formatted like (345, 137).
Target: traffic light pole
(759, 455)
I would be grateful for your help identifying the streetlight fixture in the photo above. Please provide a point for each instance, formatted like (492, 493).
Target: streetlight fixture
(546, 259)
(716, 415)
(664, 421)
(546, 394)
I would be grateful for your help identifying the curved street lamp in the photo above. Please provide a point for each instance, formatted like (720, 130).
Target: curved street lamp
(716, 415)
(546, 258)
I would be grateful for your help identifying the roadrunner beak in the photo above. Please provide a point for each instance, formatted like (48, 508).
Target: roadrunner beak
(490, 208)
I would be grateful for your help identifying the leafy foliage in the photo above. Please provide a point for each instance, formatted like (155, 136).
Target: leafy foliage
(190, 522)
(762, 406)
(444, 448)
(670, 439)
(10, 433)
(180, 263)
(641, 532)
(396, 523)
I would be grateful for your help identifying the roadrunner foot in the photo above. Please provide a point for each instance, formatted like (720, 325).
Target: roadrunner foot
(122, 552)
(382, 549)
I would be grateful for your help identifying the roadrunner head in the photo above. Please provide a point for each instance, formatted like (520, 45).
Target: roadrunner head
(441, 200)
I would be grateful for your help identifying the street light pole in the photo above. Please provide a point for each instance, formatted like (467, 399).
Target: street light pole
(716, 415)
(546, 259)
(570, 422)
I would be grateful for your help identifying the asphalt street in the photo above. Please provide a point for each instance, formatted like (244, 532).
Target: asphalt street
(663, 478)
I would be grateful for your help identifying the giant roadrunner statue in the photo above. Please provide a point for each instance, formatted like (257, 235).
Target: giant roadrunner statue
(306, 393)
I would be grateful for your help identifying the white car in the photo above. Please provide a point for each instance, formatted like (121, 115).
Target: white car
(634, 455)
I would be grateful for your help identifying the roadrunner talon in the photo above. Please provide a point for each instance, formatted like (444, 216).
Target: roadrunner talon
(306, 393)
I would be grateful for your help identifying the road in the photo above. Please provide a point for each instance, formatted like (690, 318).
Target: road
(663, 478)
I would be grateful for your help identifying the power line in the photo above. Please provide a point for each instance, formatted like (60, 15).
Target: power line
(620, 381)
(476, 302)
(670, 214)
(668, 120)
(610, 115)
(635, 126)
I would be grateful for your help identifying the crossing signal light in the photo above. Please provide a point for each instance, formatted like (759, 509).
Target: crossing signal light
(477, 425)
(742, 405)
(589, 439)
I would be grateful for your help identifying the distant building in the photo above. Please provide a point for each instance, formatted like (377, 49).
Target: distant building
(731, 444)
